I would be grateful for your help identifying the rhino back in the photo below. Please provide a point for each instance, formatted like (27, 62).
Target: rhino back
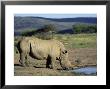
(40, 47)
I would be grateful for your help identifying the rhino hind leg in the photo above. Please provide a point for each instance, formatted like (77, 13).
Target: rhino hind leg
(23, 59)
(27, 62)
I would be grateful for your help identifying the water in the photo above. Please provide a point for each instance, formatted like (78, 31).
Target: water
(86, 70)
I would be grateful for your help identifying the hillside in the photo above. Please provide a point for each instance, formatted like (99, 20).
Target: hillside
(62, 25)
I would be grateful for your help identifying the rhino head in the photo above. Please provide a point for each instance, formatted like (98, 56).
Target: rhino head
(64, 62)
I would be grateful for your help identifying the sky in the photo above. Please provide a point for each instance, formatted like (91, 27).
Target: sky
(58, 15)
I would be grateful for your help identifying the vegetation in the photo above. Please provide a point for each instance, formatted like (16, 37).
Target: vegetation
(78, 40)
(45, 33)
(84, 28)
(49, 28)
(72, 41)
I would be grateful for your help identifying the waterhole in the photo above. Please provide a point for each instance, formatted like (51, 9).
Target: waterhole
(86, 70)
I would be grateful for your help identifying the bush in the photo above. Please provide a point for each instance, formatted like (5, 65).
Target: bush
(28, 33)
(84, 28)
(44, 33)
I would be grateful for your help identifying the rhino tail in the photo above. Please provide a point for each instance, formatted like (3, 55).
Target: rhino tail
(18, 50)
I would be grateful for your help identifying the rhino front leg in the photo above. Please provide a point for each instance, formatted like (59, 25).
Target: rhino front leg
(53, 59)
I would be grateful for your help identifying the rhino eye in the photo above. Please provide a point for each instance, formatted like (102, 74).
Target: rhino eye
(64, 52)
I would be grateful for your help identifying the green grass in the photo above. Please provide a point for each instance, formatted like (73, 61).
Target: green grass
(74, 40)
(78, 40)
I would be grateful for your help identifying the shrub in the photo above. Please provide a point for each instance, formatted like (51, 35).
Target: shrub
(44, 33)
(84, 28)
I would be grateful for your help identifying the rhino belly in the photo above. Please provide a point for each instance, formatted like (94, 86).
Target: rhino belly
(37, 54)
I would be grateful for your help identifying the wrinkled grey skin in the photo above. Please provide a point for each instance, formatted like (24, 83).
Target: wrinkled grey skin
(50, 50)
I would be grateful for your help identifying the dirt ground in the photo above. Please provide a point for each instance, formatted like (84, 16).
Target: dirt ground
(79, 57)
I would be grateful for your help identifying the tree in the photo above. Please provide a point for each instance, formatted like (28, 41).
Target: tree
(49, 27)
(84, 28)
(48, 31)
(44, 33)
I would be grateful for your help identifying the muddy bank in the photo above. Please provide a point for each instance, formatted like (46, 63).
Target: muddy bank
(79, 57)
(83, 56)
